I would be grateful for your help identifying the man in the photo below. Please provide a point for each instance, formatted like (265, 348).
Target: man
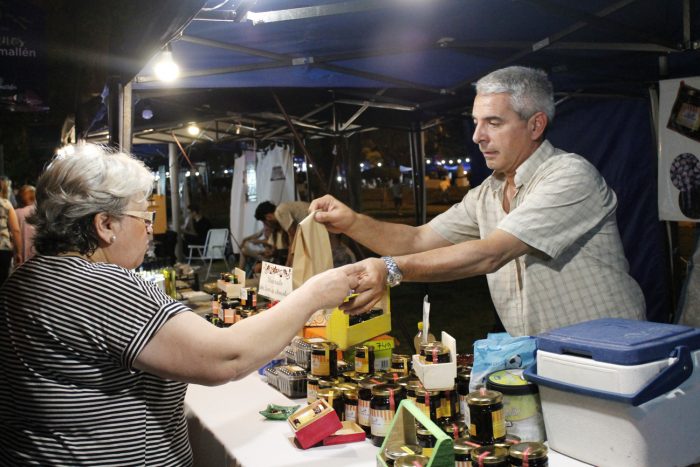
(283, 218)
(542, 227)
(199, 225)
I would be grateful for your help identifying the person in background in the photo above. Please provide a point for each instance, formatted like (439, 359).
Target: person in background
(10, 236)
(542, 227)
(10, 191)
(96, 360)
(396, 195)
(283, 220)
(27, 197)
(200, 225)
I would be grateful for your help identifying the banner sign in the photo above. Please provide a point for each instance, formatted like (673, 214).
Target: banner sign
(679, 149)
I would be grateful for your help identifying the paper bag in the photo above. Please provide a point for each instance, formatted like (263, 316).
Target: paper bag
(312, 255)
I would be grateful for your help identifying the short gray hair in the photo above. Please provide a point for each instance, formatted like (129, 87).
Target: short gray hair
(74, 188)
(529, 88)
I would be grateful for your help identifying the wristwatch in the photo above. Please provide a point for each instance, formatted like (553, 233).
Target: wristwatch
(393, 273)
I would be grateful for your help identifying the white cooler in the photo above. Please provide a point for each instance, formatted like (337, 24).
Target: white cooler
(621, 393)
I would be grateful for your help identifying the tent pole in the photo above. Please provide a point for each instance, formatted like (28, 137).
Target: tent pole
(113, 104)
(417, 152)
(175, 198)
(126, 117)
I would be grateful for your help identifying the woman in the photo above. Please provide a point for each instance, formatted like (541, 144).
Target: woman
(26, 195)
(10, 238)
(94, 359)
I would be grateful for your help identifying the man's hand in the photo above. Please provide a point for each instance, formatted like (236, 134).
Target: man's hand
(336, 216)
(370, 288)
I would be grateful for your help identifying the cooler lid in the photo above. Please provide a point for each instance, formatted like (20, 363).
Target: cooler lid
(619, 341)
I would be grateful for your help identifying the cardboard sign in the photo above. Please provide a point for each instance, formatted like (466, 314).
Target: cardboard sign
(275, 281)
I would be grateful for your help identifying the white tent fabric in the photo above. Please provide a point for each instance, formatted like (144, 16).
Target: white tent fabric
(274, 175)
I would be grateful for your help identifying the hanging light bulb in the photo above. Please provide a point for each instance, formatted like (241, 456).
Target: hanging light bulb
(166, 69)
(193, 129)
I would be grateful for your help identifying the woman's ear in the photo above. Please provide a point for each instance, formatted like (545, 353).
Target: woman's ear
(104, 226)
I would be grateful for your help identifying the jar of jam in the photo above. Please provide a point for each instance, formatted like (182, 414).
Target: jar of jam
(490, 456)
(434, 352)
(364, 397)
(396, 450)
(353, 377)
(385, 401)
(462, 385)
(329, 382)
(429, 402)
(311, 388)
(425, 439)
(412, 461)
(449, 407)
(454, 429)
(324, 359)
(364, 359)
(487, 424)
(334, 399)
(508, 441)
(401, 364)
(463, 448)
(350, 398)
(411, 387)
(532, 454)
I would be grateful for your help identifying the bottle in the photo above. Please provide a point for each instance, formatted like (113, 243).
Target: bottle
(419, 338)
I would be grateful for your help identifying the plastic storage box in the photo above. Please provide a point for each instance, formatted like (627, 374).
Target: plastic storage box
(620, 392)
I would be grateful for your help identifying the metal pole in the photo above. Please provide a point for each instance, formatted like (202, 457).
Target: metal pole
(113, 103)
(126, 118)
(175, 198)
(415, 144)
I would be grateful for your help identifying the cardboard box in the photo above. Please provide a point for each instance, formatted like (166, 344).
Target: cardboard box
(438, 376)
(232, 290)
(338, 329)
(403, 430)
(313, 423)
(351, 432)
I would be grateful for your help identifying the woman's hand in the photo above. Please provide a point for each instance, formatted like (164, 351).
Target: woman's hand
(328, 289)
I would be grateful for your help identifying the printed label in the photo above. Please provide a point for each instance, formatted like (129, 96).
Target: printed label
(320, 365)
(363, 413)
(380, 420)
(350, 413)
(499, 424)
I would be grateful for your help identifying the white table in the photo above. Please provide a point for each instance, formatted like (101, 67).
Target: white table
(226, 430)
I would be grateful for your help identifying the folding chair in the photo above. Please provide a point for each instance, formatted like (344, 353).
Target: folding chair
(214, 248)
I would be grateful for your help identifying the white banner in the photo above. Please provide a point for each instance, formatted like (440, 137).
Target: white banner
(679, 149)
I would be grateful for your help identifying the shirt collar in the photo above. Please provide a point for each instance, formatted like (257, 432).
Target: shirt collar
(527, 169)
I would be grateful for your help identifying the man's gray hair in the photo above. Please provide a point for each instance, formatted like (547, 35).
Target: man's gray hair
(529, 88)
(74, 188)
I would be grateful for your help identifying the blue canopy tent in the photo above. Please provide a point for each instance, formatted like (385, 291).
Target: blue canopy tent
(325, 68)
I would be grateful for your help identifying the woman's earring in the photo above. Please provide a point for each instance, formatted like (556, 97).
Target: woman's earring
(112, 238)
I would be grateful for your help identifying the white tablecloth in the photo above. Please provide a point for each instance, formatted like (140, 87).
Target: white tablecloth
(226, 430)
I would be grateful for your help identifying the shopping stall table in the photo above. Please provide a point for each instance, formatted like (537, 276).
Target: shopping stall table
(226, 430)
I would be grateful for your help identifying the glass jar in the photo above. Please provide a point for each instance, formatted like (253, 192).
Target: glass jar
(490, 456)
(401, 364)
(462, 385)
(449, 406)
(350, 398)
(345, 389)
(396, 450)
(334, 399)
(487, 425)
(454, 429)
(364, 359)
(522, 409)
(353, 377)
(425, 439)
(463, 448)
(324, 359)
(429, 402)
(412, 461)
(434, 352)
(311, 388)
(531, 454)
(385, 400)
(364, 397)
(411, 387)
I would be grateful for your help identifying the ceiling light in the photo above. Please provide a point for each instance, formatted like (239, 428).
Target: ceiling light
(193, 129)
(166, 69)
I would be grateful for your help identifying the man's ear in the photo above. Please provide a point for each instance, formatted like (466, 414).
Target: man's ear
(537, 124)
(104, 226)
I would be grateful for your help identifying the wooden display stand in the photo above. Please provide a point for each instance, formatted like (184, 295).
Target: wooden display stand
(403, 430)
(339, 331)
(438, 376)
(232, 290)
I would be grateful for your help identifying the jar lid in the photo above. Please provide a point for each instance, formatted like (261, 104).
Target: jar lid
(395, 450)
(370, 381)
(364, 348)
(508, 441)
(421, 392)
(449, 428)
(328, 393)
(329, 382)
(421, 430)
(489, 455)
(414, 384)
(346, 387)
(464, 376)
(393, 377)
(534, 450)
(292, 370)
(411, 461)
(510, 382)
(354, 376)
(385, 390)
(484, 396)
(323, 346)
(464, 445)
(400, 357)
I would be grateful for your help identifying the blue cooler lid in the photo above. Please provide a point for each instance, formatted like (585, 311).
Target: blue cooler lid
(619, 341)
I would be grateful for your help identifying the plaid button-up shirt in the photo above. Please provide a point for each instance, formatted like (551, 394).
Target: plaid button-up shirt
(564, 209)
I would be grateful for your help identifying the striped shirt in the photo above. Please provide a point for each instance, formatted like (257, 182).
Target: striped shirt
(70, 331)
(564, 209)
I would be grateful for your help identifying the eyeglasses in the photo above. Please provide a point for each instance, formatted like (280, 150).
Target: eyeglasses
(147, 216)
